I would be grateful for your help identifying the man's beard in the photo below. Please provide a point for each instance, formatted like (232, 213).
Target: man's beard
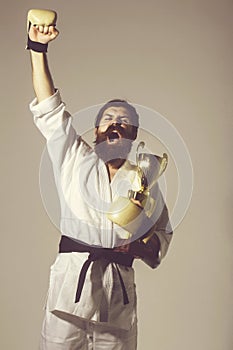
(119, 148)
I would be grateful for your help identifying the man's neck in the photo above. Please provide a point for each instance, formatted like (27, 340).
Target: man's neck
(113, 166)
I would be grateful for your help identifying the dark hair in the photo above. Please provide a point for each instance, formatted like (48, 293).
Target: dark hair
(119, 103)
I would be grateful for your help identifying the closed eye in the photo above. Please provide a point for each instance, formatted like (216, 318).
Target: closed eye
(121, 119)
(124, 120)
(106, 119)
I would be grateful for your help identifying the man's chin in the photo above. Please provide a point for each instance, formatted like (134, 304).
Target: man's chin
(112, 153)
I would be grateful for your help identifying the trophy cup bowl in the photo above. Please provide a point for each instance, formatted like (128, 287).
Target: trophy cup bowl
(152, 167)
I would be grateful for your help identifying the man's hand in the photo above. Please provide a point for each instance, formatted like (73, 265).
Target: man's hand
(148, 252)
(42, 34)
(133, 248)
(122, 248)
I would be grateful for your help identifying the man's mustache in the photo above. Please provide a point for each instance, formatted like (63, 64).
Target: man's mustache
(114, 127)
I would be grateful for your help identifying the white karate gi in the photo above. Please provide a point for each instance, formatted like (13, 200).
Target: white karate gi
(85, 195)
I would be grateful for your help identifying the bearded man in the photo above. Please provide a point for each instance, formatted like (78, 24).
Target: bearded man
(91, 301)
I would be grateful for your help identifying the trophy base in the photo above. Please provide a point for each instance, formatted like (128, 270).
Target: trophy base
(124, 213)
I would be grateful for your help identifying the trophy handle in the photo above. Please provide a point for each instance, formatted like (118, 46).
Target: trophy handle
(139, 170)
(163, 161)
(163, 164)
(141, 144)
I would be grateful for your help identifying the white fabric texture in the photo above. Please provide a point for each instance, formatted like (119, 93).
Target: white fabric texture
(101, 299)
(73, 334)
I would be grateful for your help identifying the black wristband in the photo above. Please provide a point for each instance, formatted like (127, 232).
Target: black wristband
(35, 46)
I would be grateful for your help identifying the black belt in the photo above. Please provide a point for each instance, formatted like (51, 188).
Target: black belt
(68, 245)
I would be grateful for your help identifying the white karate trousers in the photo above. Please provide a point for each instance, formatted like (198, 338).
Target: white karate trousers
(60, 334)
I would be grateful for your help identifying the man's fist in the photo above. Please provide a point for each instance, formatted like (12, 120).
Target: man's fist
(42, 34)
(41, 29)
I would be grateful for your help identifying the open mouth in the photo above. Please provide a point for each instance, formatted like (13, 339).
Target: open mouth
(113, 137)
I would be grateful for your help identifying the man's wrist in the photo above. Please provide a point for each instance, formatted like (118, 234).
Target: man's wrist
(36, 46)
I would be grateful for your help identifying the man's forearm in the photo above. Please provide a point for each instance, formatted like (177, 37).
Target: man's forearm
(41, 76)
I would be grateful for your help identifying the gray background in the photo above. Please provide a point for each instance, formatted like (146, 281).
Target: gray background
(176, 58)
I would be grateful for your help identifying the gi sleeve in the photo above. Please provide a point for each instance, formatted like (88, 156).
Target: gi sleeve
(164, 232)
(159, 236)
(55, 123)
(153, 246)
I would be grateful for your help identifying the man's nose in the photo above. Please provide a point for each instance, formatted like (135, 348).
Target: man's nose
(116, 121)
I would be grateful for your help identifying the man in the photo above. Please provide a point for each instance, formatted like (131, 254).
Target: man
(91, 301)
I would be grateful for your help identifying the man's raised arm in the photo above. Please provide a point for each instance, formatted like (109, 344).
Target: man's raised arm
(39, 37)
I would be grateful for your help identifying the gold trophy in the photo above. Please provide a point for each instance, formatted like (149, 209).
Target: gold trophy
(125, 211)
